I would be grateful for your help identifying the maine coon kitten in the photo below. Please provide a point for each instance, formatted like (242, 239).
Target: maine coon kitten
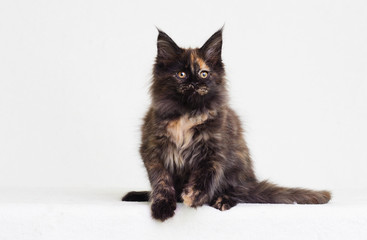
(192, 142)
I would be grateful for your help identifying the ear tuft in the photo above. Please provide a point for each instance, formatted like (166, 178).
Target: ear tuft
(212, 48)
(166, 47)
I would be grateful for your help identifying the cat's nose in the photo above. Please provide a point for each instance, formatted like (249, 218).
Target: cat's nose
(194, 83)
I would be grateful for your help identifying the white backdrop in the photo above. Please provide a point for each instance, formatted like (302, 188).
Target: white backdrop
(74, 79)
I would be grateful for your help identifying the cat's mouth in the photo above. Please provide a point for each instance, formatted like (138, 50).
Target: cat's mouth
(194, 89)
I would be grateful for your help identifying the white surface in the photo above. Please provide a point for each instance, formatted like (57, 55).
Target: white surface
(93, 214)
(74, 78)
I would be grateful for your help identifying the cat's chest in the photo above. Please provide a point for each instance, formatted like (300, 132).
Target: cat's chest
(181, 133)
(181, 130)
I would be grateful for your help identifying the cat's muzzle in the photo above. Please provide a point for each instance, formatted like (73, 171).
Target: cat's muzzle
(194, 88)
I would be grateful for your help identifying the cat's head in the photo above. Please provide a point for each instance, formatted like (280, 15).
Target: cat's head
(192, 78)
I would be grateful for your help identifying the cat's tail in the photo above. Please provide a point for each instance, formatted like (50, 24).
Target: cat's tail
(137, 196)
(265, 192)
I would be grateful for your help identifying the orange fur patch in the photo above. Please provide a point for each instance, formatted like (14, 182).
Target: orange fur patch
(188, 198)
(180, 130)
(195, 59)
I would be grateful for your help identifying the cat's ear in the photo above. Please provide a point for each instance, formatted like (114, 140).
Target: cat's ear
(212, 48)
(166, 47)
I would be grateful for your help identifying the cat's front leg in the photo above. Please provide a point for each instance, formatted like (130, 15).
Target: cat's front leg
(163, 196)
(202, 184)
(163, 204)
(194, 197)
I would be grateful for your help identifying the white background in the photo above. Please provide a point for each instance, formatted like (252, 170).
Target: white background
(74, 78)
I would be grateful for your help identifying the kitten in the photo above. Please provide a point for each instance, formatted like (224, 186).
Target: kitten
(192, 141)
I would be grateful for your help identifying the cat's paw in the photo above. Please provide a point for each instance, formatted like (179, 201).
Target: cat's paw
(194, 198)
(222, 203)
(163, 208)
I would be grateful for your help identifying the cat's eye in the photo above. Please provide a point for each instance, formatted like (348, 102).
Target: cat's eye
(181, 75)
(204, 74)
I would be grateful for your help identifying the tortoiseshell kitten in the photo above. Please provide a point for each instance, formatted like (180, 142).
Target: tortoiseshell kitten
(192, 141)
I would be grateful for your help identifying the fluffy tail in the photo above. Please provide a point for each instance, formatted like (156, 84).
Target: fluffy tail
(265, 192)
(137, 196)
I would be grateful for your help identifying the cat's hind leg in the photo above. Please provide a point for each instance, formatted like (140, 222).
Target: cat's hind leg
(223, 202)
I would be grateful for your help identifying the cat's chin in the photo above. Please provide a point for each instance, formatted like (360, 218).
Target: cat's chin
(202, 91)
(195, 96)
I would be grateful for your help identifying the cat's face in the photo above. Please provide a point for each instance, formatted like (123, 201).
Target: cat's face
(192, 76)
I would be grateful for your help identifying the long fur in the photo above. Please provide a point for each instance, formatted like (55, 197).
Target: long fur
(192, 142)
